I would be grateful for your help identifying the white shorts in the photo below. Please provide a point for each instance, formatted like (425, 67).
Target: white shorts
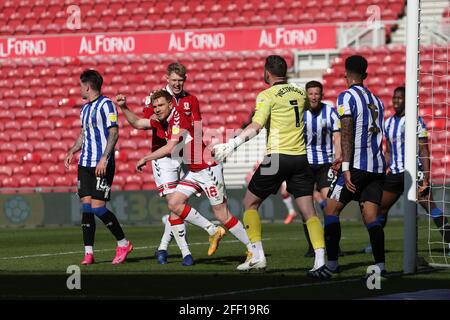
(167, 174)
(209, 180)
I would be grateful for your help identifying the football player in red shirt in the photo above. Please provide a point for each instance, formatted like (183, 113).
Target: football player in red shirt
(167, 170)
(204, 173)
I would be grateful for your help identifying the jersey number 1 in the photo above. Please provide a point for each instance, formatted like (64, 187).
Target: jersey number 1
(297, 113)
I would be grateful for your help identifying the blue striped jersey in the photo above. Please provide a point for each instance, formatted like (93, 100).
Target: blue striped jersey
(367, 112)
(319, 128)
(96, 118)
(394, 131)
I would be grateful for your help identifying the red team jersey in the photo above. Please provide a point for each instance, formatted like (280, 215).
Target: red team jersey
(179, 128)
(186, 104)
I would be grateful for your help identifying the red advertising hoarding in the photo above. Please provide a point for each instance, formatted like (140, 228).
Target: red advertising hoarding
(301, 38)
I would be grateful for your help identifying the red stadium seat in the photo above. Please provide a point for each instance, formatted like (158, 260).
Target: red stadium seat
(24, 146)
(8, 147)
(10, 182)
(18, 137)
(60, 146)
(133, 182)
(135, 155)
(126, 169)
(5, 171)
(4, 137)
(48, 157)
(28, 182)
(46, 125)
(45, 182)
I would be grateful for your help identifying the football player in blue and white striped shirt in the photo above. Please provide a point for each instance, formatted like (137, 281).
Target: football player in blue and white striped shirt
(395, 155)
(97, 139)
(363, 167)
(323, 144)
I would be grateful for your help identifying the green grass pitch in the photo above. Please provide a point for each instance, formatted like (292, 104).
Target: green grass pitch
(33, 264)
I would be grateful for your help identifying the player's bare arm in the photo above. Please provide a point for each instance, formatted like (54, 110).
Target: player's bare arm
(337, 152)
(75, 148)
(158, 154)
(387, 157)
(347, 149)
(424, 156)
(132, 118)
(113, 136)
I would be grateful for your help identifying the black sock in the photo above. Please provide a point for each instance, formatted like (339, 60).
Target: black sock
(305, 228)
(382, 220)
(444, 227)
(332, 236)
(111, 222)
(376, 234)
(88, 227)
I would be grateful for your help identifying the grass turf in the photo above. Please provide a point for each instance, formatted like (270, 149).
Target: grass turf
(33, 264)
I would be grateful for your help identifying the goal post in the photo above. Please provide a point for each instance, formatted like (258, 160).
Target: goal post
(411, 84)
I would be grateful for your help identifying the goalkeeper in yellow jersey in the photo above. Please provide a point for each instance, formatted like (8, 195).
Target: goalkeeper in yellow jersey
(280, 109)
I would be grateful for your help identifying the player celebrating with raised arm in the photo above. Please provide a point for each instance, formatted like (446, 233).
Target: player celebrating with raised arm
(204, 174)
(166, 172)
(363, 166)
(280, 108)
(395, 154)
(97, 139)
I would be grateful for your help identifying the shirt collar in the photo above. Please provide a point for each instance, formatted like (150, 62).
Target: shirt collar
(171, 114)
(182, 93)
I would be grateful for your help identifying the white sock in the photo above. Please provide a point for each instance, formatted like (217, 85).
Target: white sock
(252, 248)
(259, 250)
(289, 205)
(319, 259)
(123, 242)
(88, 249)
(167, 236)
(239, 232)
(381, 266)
(179, 233)
(197, 219)
(332, 264)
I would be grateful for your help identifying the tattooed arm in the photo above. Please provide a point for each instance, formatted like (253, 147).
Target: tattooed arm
(347, 150)
(113, 136)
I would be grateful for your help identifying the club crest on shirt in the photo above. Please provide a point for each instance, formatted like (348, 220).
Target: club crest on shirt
(260, 103)
(186, 106)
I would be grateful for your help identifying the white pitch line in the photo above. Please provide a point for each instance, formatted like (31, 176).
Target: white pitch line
(100, 250)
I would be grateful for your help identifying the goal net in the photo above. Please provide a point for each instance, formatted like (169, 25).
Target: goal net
(433, 92)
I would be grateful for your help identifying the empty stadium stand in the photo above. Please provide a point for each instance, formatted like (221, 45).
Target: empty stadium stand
(39, 98)
(27, 17)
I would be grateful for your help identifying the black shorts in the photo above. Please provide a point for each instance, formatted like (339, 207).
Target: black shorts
(276, 168)
(394, 183)
(323, 176)
(369, 187)
(99, 188)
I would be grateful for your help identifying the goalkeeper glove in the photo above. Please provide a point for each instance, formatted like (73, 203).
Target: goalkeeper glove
(224, 150)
